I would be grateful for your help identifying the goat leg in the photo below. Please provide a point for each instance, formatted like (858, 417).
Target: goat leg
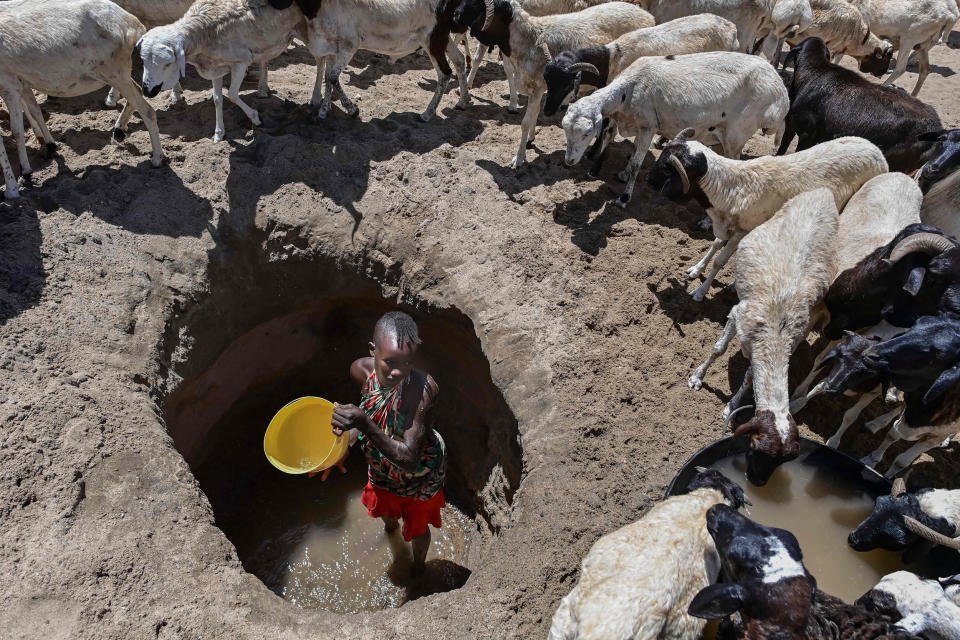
(695, 381)
(851, 415)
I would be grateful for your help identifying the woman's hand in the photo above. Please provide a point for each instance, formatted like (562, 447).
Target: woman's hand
(349, 416)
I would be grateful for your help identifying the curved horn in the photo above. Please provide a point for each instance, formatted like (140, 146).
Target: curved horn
(899, 488)
(684, 135)
(585, 66)
(673, 160)
(489, 8)
(928, 243)
(726, 422)
(545, 49)
(927, 533)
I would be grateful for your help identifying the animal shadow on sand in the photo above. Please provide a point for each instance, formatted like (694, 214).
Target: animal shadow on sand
(22, 276)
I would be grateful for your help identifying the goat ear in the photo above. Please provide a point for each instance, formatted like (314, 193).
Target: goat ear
(932, 136)
(717, 601)
(946, 380)
(914, 280)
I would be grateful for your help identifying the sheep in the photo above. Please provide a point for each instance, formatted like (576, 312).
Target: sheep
(939, 179)
(337, 29)
(749, 15)
(218, 37)
(727, 96)
(922, 605)
(924, 363)
(872, 218)
(828, 101)
(774, 593)
(914, 25)
(783, 269)
(66, 48)
(530, 43)
(597, 66)
(903, 518)
(740, 195)
(622, 591)
(844, 29)
(534, 8)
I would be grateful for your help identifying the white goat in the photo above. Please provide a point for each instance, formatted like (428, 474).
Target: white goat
(941, 204)
(788, 18)
(339, 28)
(218, 37)
(533, 41)
(923, 604)
(750, 16)
(783, 269)
(845, 31)
(637, 581)
(912, 26)
(534, 8)
(744, 194)
(66, 48)
(725, 95)
(875, 214)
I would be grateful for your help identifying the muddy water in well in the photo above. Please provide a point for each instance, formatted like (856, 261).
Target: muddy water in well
(334, 556)
(821, 510)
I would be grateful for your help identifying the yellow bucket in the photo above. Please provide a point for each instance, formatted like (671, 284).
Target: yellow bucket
(300, 439)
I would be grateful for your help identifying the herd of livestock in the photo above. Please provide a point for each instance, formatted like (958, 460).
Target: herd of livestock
(854, 234)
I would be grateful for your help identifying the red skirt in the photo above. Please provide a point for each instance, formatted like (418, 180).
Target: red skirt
(416, 514)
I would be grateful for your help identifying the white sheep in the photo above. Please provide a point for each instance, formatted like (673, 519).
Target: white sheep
(845, 31)
(725, 95)
(218, 37)
(66, 48)
(637, 582)
(923, 606)
(783, 269)
(750, 16)
(531, 42)
(339, 28)
(743, 194)
(912, 26)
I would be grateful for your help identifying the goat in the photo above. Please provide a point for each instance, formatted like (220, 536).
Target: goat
(774, 593)
(924, 363)
(939, 179)
(875, 215)
(788, 18)
(530, 43)
(740, 195)
(337, 29)
(828, 101)
(783, 269)
(727, 96)
(621, 592)
(749, 15)
(845, 31)
(66, 48)
(922, 605)
(914, 26)
(903, 518)
(597, 66)
(218, 37)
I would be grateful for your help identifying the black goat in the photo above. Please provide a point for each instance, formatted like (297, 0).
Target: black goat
(565, 73)
(915, 274)
(945, 163)
(828, 101)
(774, 593)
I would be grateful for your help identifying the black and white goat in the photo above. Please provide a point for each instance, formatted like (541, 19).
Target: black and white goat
(939, 180)
(923, 606)
(828, 101)
(903, 518)
(774, 593)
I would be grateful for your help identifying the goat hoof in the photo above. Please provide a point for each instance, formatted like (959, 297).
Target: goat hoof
(119, 135)
(156, 163)
(513, 109)
(833, 442)
(692, 273)
(218, 137)
(697, 295)
(622, 200)
(867, 460)
(695, 383)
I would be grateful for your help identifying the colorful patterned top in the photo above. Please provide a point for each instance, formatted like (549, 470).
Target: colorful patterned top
(382, 404)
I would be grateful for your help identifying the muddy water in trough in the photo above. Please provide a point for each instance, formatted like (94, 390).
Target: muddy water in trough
(821, 510)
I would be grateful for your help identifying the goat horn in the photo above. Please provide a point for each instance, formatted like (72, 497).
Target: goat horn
(489, 8)
(726, 423)
(927, 533)
(545, 49)
(680, 170)
(584, 66)
(684, 135)
(899, 488)
(929, 243)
